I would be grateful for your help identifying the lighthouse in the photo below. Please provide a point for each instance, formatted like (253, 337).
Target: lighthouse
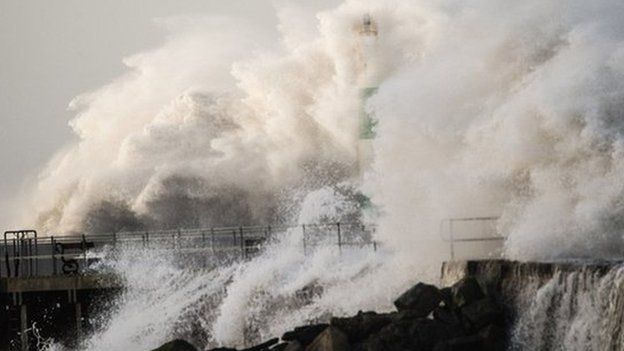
(367, 42)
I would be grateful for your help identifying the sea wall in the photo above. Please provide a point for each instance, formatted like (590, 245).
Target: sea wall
(572, 305)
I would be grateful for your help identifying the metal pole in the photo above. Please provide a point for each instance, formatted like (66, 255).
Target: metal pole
(339, 238)
(303, 230)
(242, 243)
(16, 259)
(36, 254)
(53, 255)
(452, 240)
(212, 240)
(23, 326)
(84, 250)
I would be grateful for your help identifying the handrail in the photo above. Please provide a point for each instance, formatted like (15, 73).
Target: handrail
(451, 239)
(244, 239)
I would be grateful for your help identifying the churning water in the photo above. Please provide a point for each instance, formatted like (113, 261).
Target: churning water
(511, 109)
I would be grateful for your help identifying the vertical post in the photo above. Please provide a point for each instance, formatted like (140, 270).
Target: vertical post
(31, 268)
(242, 243)
(452, 239)
(147, 239)
(78, 310)
(179, 238)
(16, 259)
(212, 240)
(303, 232)
(6, 259)
(339, 238)
(84, 250)
(23, 325)
(53, 255)
(36, 255)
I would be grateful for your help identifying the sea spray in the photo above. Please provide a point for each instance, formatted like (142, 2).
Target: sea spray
(483, 109)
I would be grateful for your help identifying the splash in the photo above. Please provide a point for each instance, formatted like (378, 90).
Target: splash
(483, 109)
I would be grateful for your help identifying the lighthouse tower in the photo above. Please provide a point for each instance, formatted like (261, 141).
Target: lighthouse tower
(367, 82)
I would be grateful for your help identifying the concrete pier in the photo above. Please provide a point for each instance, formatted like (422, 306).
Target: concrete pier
(56, 306)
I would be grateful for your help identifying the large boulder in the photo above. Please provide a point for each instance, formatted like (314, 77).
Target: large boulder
(359, 327)
(482, 313)
(176, 345)
(331, 339)
(494, 338)
(466, 291)
(421, 299)
(306, 334)
(464, 343)
(264, 346)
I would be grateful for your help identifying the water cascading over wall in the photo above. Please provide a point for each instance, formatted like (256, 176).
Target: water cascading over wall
(554, 306)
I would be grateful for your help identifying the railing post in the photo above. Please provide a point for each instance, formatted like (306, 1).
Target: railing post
(452, 240)
(84, 250)
(242, 243)
(303, 232)
(16, 259)
(212, 240)
(179, 238)
(339, 238)
(53, 255)
(36, 255)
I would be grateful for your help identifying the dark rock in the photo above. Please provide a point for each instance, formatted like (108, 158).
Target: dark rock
(362, 325)
(305, 335)
(447, 316)
(466, 343)
(494, 338)
(294, 346)
(426, 333)
(176, 345)
(447, 297)
(332, 339)
(223, 349)
(280, 347)
(481, 313)
(421, 298)
(264, 346)
(466, 291)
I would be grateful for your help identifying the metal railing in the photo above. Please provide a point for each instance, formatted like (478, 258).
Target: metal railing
(451, 231)
(28, 254)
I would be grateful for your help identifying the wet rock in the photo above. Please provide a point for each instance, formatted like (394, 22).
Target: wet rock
(331, 339)
(447, 297)
(294, 346)
(359, 327)
(306, 334)
(264, 346)
(280, 347)
(494, 338)
(421, 298)
(465, 343)
(176, 345)
(481, 313)
(447, 316)
(466, 291)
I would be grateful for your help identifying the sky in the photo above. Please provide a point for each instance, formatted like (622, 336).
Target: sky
(51, 51)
